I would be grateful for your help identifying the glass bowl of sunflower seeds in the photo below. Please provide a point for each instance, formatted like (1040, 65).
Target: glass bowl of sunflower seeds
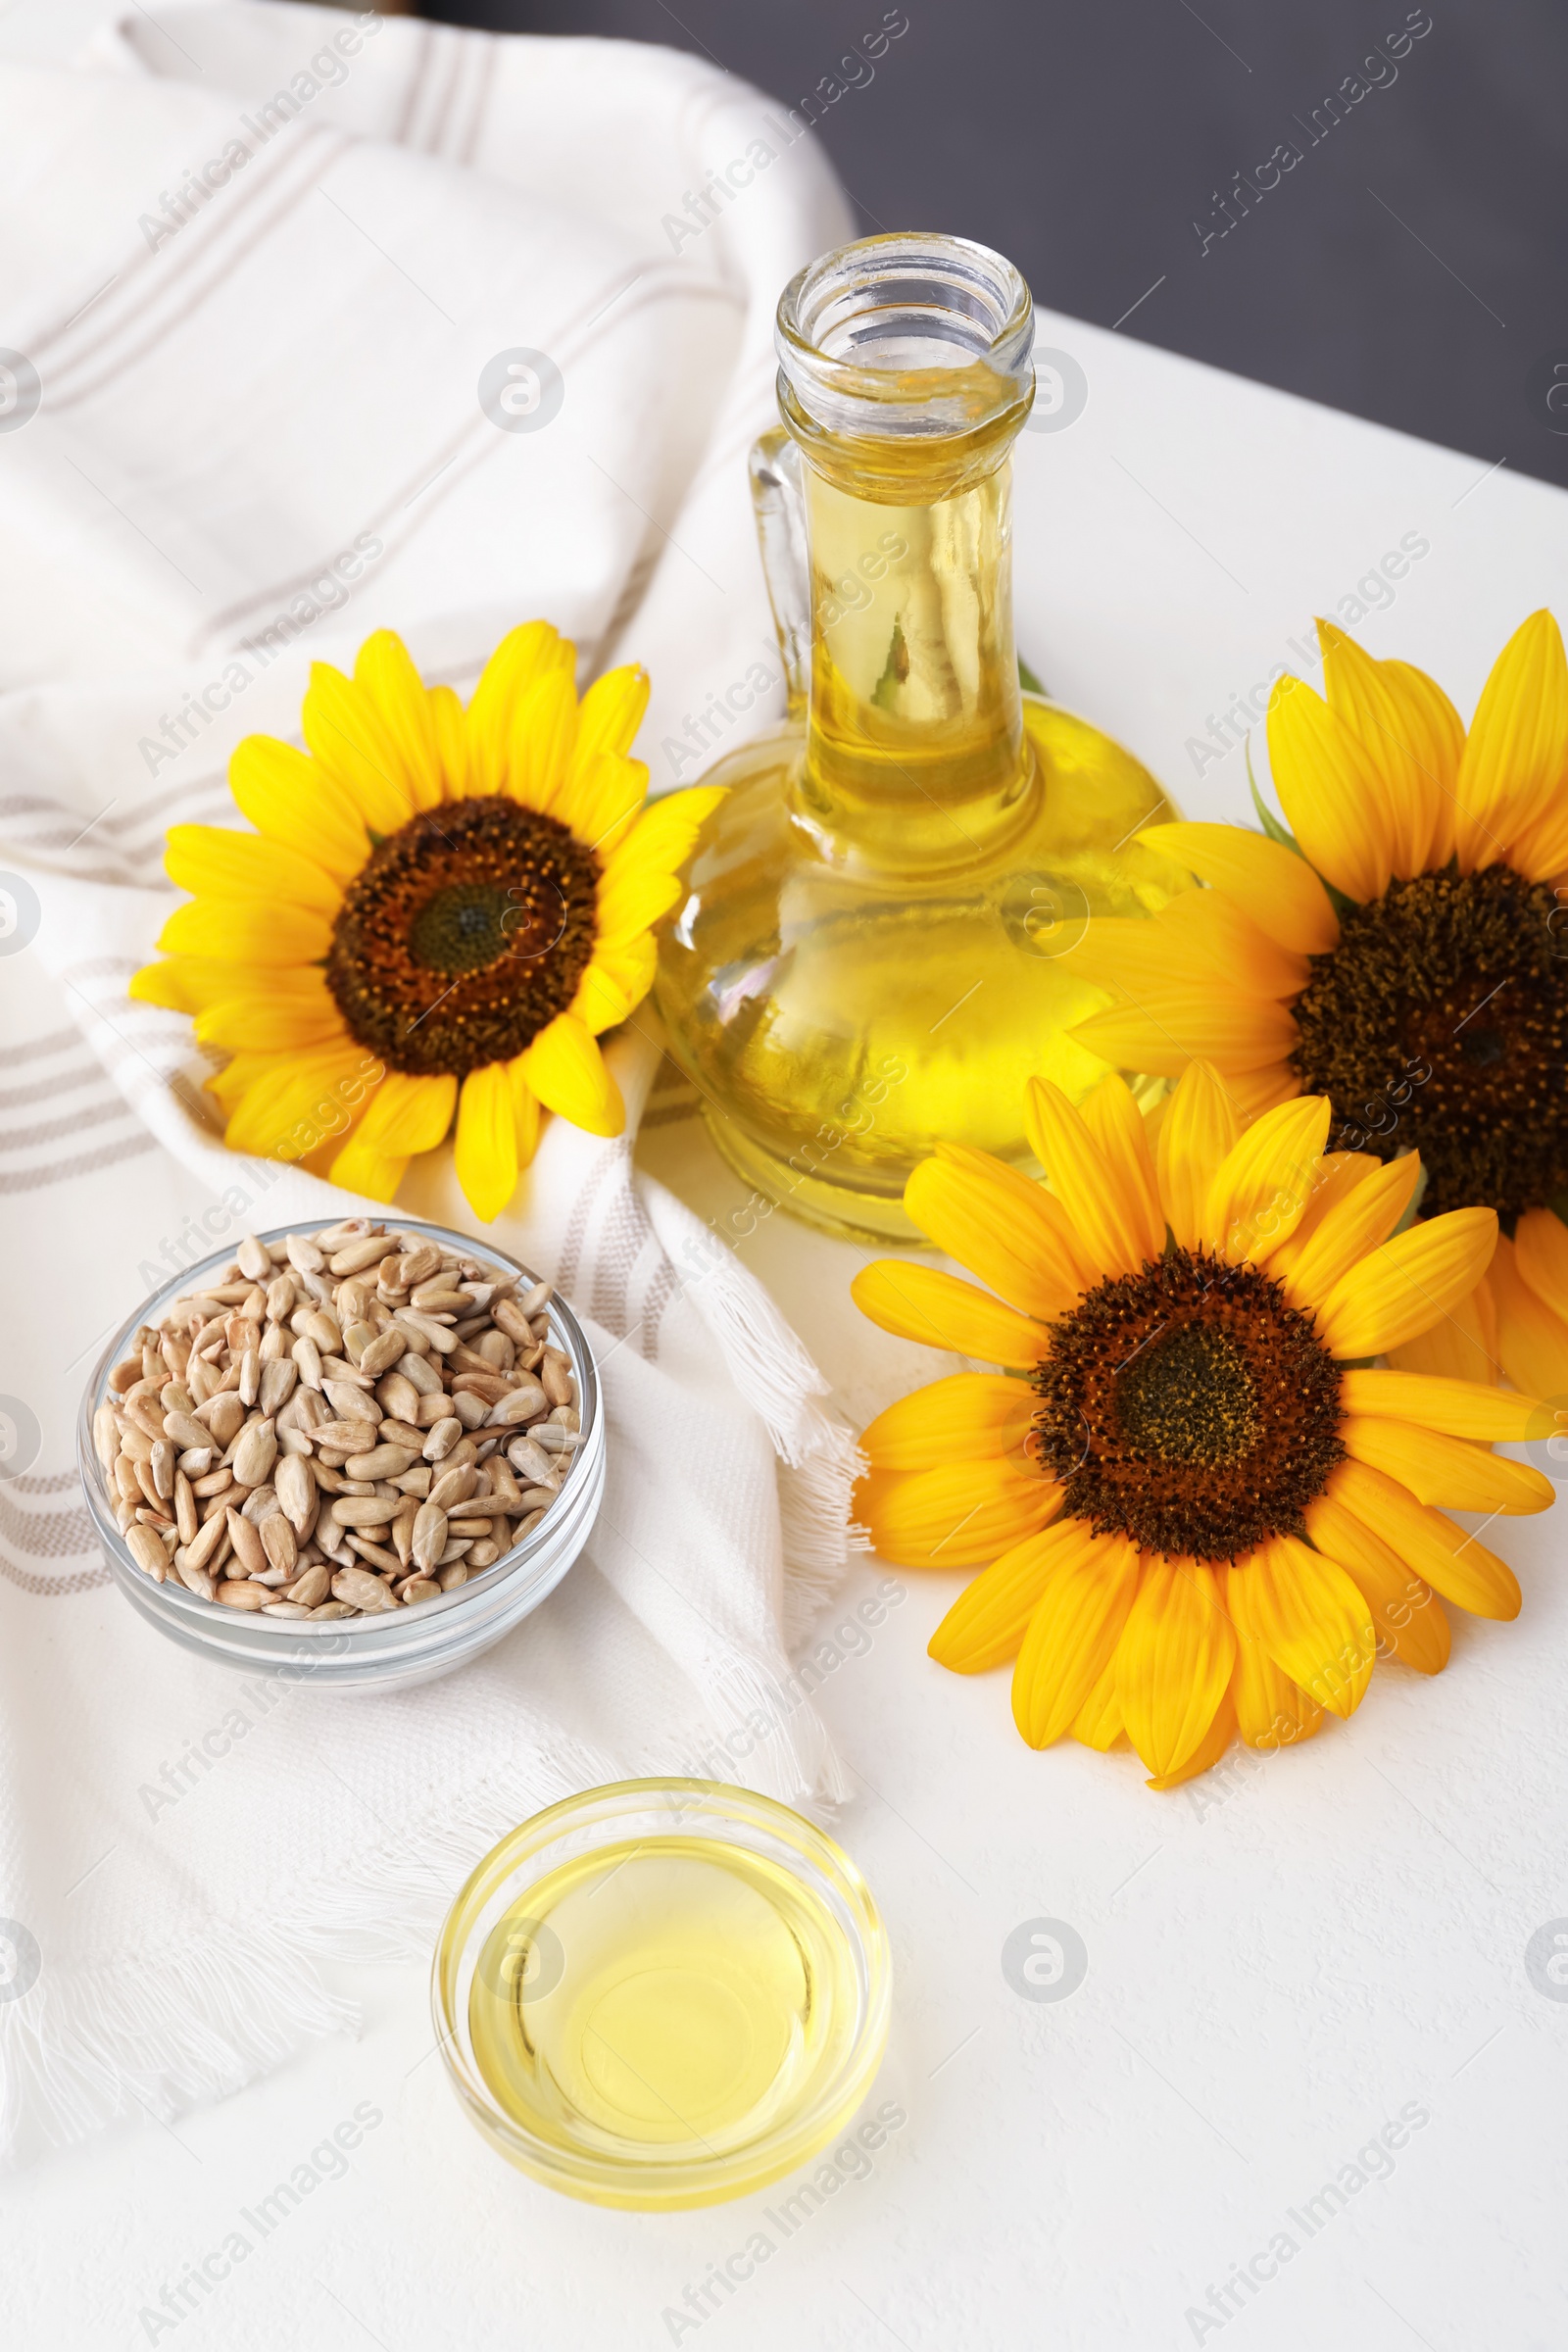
(352, 1453)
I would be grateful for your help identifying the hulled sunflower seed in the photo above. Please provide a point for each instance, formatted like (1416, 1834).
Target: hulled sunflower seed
(279, 1545)
(295, 1489)
(277, 1384)
(245, 1536)
(147, 1551)
(361, 1589)
(430, 1535)
(387, 1349)
(255, 1454)
(185, 1508)
(365, 1510)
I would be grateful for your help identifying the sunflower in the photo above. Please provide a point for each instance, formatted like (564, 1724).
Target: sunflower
(1201, 1511)
(1406, 953)
(439, 912)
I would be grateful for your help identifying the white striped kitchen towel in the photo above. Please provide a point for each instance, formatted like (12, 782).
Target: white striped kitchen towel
(258, 264)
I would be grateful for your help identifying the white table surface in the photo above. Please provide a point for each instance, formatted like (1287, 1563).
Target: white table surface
(1279, 1960)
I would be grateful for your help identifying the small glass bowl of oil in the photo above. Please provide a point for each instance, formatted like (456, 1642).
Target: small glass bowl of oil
(663, 1992)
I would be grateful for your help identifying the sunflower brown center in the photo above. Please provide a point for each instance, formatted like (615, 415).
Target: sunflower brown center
(463, 935)
(1439, 1022)
(1188, 1407)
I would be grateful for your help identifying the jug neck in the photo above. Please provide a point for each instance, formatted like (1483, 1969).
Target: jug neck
(906, 373)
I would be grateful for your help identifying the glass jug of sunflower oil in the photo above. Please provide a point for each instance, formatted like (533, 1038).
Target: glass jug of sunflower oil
(876, 946)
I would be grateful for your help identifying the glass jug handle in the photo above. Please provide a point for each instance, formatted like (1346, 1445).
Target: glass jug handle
(779, 502)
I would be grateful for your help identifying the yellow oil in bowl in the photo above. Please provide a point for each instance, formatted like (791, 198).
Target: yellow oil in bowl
(657, 2015)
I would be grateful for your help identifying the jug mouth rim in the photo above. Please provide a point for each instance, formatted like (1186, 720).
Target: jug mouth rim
(906, 333)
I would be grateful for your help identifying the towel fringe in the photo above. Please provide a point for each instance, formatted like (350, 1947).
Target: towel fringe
(819, 1458)
(133, 2036)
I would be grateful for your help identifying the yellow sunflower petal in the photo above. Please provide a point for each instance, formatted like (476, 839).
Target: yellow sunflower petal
(922, 1302)
(1200, 940)
(1072, 1635)
(1516, 751)
(348, 737)
(1539, 1255)
(283, 1009)
(524, 656)
(384, 671)
(987, 1623)
(229, 1084)
(1311, 1618)
(1450, 1471)
(602, 803)
(566, 1069)
(1460, 1566)
(294, 801)
(1532, 1341)
(1462, 1346)
(1392, 724)
(1407, 1616)
(408, 1115)
(1337, 1175)
(958, 1419)
(1099, 1722)
(611, 712)
(1256, 1091)
(1436, 734)
(1271, 1710)
(1165, 1030)
(1460, 1408)
(1200, 1126)
(1211, 924)
(321, 1161)
(221, 863)
(1328, 787)
(1206, 1754)
(1173, 1662)
(629, 965)
(1106, 1191)
(524, 1111)
(450, 721)
(600, 1003)
(1259, 873)
(1114, 1121)
(485, 1154)
(544, 729)
(184, 983)
(1407, 1284)
(956, 1515)
(662, 839)
(1131, 957)
(206, 980)
(1540, 851)
(996, 1223)
(300, 1102)
(247, 931)
(359, 1168)
(1369, 1203)
(1264, 1184)
(634, 901)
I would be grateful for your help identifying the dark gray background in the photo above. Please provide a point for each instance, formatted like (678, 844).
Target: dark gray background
(1411, 267)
